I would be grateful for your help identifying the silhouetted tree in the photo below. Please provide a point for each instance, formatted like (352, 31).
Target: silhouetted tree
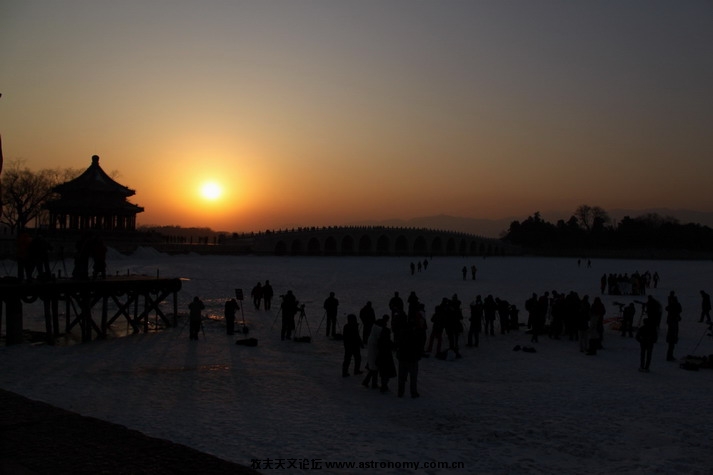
(24, 193)
(533, 232)
(569, 233)
(591, 216)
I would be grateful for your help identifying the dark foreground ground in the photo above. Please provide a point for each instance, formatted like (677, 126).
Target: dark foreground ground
(36, 438)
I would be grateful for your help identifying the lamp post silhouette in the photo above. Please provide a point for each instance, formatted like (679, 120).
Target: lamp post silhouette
(0, 169)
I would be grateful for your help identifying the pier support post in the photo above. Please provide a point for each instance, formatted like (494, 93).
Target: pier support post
(13, 325)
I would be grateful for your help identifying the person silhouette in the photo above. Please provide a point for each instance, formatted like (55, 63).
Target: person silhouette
(267, 294)
(231, 306)
(673, 317)
(352, 345)
(256, 293)
(289, 309)
(331, 306)
(646, 335)
(195, 318)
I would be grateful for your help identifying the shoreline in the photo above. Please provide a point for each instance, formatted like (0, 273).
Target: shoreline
(36, 437)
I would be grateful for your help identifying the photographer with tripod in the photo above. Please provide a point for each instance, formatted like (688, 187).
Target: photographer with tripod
(289, 309)
(627, 319)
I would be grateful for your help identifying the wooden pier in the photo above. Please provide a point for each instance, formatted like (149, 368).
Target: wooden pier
(135, 298)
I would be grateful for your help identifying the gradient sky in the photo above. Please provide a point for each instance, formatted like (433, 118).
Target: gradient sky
(331, 112)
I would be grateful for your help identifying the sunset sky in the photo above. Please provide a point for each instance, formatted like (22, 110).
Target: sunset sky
(333, 112)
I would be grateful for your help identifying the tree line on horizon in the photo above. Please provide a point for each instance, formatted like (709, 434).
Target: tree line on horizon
(591, 228)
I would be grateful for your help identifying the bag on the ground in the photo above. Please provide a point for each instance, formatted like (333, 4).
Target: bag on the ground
(247, 342)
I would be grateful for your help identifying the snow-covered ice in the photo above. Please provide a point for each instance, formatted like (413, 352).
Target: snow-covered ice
(493, 411)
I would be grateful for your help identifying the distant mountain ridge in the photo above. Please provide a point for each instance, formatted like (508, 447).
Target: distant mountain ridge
(495, 228)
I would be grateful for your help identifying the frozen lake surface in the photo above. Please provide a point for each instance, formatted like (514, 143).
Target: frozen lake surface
(493, 411)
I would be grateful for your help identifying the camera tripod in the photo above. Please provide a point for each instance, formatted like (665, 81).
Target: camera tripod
(277, 315)
(300, 318)
(187, 323)
(336, 322)
(709, 328)
(239, 297)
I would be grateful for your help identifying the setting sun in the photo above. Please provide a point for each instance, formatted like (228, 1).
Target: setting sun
(211, 191)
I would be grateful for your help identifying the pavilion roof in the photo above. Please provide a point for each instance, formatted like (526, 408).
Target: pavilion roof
(96, 180)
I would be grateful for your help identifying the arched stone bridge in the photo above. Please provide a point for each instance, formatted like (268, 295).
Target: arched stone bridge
(377, 240)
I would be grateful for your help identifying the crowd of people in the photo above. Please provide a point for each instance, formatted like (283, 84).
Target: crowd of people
(404, 333)
(625, 284)
(401, 334)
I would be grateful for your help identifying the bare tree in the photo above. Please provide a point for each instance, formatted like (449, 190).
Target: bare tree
(588, 216)
(24, 192)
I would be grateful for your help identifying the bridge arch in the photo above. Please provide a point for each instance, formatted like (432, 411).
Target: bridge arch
(313, 247)
(365, 244)
(463, 247)
(420, 246)
(281, 248)
(382, 245)
(451, 247)
(334, 241)
(436, 246)
(330, 246)
(401, 246)
(348, 245)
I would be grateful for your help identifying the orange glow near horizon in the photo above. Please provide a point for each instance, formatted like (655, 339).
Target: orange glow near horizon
(363, 113)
